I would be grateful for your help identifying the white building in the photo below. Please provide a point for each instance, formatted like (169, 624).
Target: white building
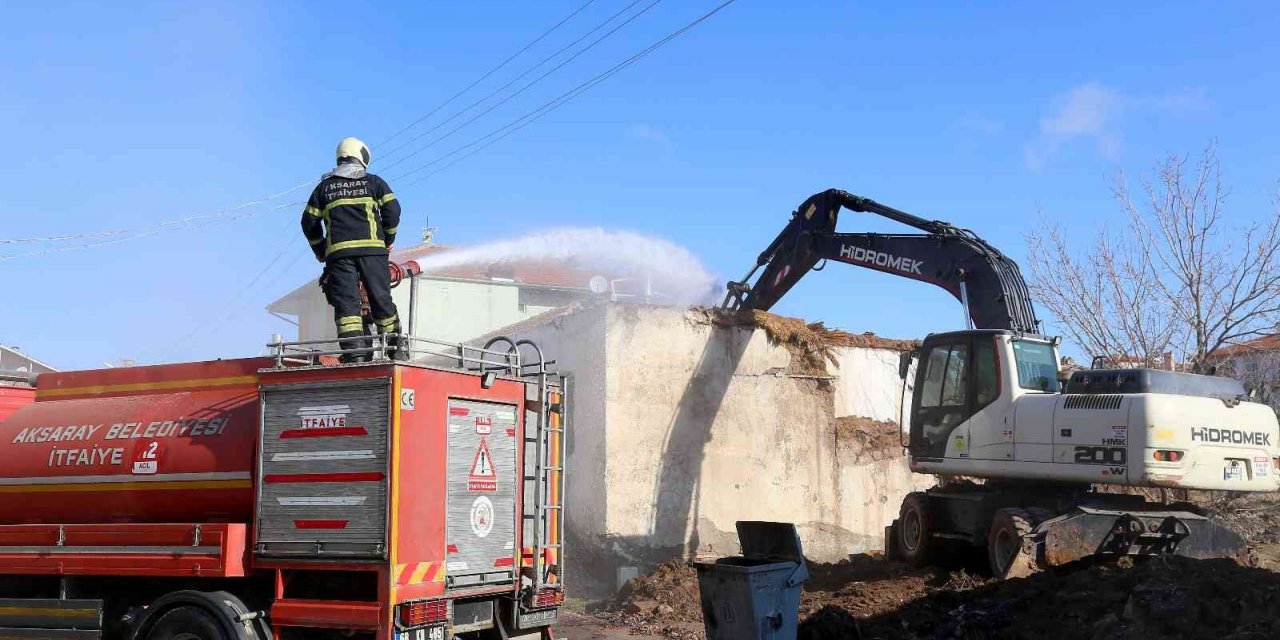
(454, 304)
(14, 361)
(1256, 363)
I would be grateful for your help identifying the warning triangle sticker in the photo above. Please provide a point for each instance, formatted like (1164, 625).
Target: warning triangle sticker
(482, 477)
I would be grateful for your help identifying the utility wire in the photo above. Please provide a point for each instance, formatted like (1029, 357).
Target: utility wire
(230, 306)
(525, 74)
(160, 226)
(487, 73)
(138, 234)
(483, 142)
(125, 234)
(519, 123)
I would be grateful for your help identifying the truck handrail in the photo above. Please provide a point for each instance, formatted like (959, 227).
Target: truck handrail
(307, 352)
(24, 377)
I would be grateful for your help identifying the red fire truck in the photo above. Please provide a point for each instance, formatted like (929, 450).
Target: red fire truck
(14, 395)
(288, 497)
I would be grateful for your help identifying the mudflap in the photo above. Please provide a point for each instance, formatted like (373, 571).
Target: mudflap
(1087, 531)
(891, 542)
(515, 620)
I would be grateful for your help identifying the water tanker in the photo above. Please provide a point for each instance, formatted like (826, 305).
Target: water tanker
(154, 444)
(14, 396)
(282, 497)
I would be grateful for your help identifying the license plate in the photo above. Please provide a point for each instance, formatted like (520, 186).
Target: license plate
(433, 633)
(538, 618)
(1233, 471)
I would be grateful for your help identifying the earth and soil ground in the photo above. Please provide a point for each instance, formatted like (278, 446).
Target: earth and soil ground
(869, 597)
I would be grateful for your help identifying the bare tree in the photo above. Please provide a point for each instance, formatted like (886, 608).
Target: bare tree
(1177, 276)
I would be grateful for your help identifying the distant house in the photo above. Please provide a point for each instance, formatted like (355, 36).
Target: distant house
(13, 360)
(458, 303)
(1256, 363)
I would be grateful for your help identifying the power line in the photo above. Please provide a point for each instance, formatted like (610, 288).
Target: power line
(228, 214)
(126, 234)
(239, 297)
(160, 226)
(229, 307)
(138, 234)
(516, 79)
(488, 73)
(532, 116)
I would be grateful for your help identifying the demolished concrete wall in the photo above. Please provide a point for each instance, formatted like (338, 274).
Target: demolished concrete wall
(686, 421)
(867, 382)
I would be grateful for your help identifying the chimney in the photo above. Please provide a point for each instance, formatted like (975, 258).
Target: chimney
(1168, 361)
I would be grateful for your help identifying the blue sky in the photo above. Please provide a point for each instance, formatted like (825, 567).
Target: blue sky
(977, 113)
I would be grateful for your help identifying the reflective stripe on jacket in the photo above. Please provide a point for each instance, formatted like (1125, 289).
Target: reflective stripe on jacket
(351, 216)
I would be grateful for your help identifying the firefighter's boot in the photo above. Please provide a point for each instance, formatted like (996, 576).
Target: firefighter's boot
(397, 344)
(355, 347)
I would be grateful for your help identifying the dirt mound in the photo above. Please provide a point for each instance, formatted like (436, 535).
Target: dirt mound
(867, 597)
(869, 440)
(866, 586)
(664, 603)
(1157, 598)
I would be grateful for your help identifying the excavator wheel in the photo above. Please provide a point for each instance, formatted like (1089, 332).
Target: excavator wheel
(915, 530)
(1011, 548)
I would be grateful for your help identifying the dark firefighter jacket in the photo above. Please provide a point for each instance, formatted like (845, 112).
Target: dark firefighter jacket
(351, 216)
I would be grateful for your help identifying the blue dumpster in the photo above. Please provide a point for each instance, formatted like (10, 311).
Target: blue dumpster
(755, 596)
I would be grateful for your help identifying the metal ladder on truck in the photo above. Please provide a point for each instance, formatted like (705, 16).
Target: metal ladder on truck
(543, 486)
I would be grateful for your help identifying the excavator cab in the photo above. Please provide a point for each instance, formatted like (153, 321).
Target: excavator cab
(972, 377)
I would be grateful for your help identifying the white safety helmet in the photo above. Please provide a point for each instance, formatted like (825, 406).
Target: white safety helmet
(355, 149)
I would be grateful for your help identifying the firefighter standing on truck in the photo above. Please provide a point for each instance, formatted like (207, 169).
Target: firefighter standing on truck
(350, 222)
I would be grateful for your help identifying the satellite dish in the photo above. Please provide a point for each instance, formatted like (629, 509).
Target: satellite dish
(598, 284)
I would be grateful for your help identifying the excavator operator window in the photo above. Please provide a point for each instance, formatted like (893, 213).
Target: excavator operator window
(1037, 367)
(944, 398)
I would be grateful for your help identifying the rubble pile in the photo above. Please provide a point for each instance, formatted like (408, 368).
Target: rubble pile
(812, 342)
(867, 597)
(664, 603)
(1169, 597)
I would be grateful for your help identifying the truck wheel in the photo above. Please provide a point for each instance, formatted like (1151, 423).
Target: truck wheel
(1011, 544)
(915, 530)
(186, 623)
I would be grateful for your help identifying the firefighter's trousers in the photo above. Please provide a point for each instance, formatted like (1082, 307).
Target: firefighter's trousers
(343, 277)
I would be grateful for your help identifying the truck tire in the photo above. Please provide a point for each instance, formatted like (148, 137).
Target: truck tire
(915, 530)
(1011, 548)
(186, 623)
